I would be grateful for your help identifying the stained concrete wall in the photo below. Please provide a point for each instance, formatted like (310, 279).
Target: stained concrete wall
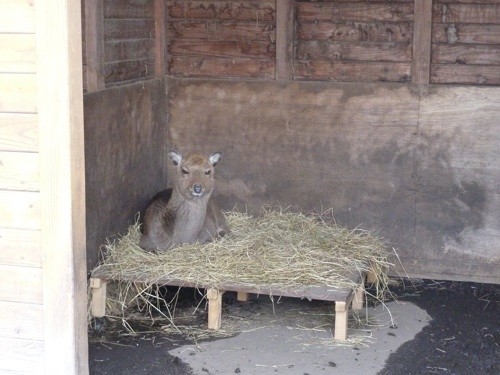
(420, 168)
(125, 157)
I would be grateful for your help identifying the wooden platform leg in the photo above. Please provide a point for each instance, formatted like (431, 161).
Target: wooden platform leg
(359, 296)
(214, 297)
(340, 320)
(242, 296)
(98, 303)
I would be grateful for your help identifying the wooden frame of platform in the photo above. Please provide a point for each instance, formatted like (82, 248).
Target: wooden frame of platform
(343, 298)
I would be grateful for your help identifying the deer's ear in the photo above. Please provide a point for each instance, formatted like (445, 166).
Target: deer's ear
(176, 157)
(214, 158)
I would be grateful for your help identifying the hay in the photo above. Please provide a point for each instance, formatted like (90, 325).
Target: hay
(281, 250)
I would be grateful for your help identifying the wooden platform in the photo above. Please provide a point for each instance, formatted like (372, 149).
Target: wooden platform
(343, 298)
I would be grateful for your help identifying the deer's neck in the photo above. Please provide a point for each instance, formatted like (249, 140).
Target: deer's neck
(190, 216)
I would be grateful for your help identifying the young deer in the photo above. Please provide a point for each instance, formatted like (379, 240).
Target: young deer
(185, 213)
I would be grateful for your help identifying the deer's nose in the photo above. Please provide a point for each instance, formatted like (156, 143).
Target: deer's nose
(197, 189)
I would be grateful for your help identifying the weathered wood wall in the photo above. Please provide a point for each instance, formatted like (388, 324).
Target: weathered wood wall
(420, 169)
(125, 157)
(21, 295)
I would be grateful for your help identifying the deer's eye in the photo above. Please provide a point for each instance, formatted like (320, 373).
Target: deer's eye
(208, 172)
(184, 171)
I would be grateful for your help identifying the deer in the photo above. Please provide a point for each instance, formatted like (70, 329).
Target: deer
(187, 212)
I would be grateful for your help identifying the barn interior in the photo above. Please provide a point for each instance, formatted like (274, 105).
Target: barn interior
(384, 111)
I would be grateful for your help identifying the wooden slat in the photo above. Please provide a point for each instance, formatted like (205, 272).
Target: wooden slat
(21, 320)
(129, 70)
(285, 26)
(18, 132)
(117, 29)
(18, 53)
(467, 74)
(127, 9)
(466, 33)
(94, 45)
(221, 30)
(124, 50)
(189, 66)
(228, 49)
(20, 247)
(362, 51)
(422, 42)
(20, 210)
(17, 16)
(326, 11)
(21, 284)
(353, 71)
(160, 38)
(19, 171)
(20, 356)
(466, 54)
(466, 13)
(356, 31)
(259, 10)
(18, 93)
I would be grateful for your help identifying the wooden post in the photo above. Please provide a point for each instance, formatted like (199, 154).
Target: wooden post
(242, 296)
(94, 44)
(214, 297)
(359, 296)
(160, 38)
(285, 15)
(340, 320)
(422, 33)
(98, 303)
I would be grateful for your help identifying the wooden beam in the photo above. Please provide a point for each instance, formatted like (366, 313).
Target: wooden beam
(62, 186)
(214, 297)
(160, 38)
(285, 26)
(422, 31)
(340, 320)
(94, 44)
(98, 303)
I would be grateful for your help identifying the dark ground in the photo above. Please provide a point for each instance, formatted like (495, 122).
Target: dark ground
(463, 337)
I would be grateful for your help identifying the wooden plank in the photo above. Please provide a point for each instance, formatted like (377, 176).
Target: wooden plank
(466, 54)
(129, 70)
(466, 13)
(118, 29)
(221, 30)
(94, 45)
(18, 93)
(466, 33)
(21, 320)
(21, 284)
(18, 53)
(20, 356)
(18, 132)
(19, 171)
(20, 247)
(62, 186)
(214, 297)
(285, 29)
(124, 50)
(20, 210)
(260, 10)
(341, 309)
(160, 38)
(356, 31)
(466, 74)
(189, 66)
(227, 49)
(422, 42)
(329, 11)
(17, 16)
(353, 71)
(127, 9)
(362, 51)
(98, 303)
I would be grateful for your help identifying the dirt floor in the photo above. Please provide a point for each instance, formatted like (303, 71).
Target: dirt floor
(460, 336)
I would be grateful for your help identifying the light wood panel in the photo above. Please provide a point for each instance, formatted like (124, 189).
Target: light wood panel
(21, 284)
(21, 320)
(20, 356)
(17, 16)
(20, 247)
(20, 210)
(18, 132)
(18, 93)
(19, 171)
(18, 53)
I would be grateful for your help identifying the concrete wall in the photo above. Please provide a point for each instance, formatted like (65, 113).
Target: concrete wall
(422, 169)
(125, 157)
